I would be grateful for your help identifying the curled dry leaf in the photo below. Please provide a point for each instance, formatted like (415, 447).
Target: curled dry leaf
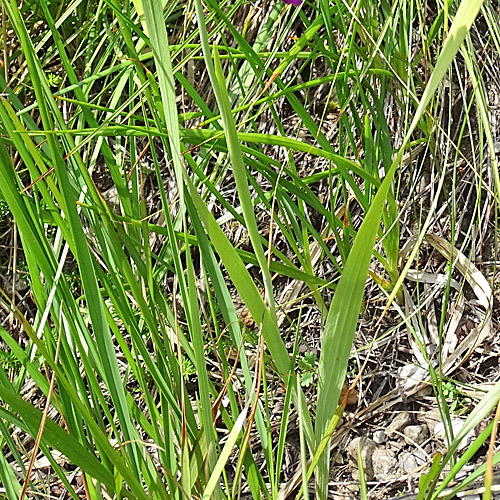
(483, 292)
(351, 395)
(453, 354)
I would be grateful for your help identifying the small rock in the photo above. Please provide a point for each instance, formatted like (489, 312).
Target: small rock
(364, 443)
(367, 447)
(397, 446)
(416, 433)
(20, 284)
(430, 418)
(412, 461)
(456, 425)
(411, 376)
(112, 198)
(402, 420)
(379, 436)
(337, 458)
(384, 463)
(425, 391)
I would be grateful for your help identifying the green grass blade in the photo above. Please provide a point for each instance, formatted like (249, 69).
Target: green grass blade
(224, 455)
(462, 23)
(343, 315)
(55, 436)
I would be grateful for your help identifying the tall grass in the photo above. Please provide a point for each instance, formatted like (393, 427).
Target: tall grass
(153, 384)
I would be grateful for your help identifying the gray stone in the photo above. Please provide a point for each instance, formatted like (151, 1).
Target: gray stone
(398, 446)
(379, 436)
(337, 458)
(20, 284)
(384, 463)
(457, 425)
(411, 376)
(410, 462)
(365, 444)
(367, 447)
(416, 433)
(402, 420)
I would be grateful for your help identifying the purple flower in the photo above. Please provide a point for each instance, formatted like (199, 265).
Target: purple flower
(293, 2)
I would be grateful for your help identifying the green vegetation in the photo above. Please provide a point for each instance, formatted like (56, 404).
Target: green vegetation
(187, 179)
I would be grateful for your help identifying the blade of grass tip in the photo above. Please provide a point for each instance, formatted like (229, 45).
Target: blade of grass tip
(426, 478)
(343, 315)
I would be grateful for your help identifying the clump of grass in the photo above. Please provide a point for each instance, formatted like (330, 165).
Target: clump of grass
(154, 299)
